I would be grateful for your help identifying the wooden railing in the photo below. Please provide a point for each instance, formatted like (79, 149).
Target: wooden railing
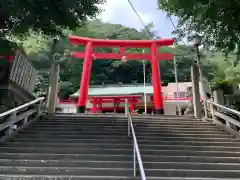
(19, 117)
(225, 116)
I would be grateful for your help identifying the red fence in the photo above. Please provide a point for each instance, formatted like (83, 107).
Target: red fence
(120, 99)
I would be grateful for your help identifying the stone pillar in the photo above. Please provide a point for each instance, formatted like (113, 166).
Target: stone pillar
(195, 91)
(53, 88)
(218, 97)
(189, 110)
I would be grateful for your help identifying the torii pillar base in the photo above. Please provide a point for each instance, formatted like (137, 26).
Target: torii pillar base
(81, 109)
(159, 111)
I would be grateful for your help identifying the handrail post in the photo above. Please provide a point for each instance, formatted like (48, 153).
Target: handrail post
(10, 128)
(128, 127)
(212, 111)
(127, 114)
(134, 160)
(38, 106)
(126, 107)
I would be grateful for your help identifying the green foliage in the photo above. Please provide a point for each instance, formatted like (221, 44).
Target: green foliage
(48, 16)
(225, 70)
(218, 21)
(223, 85)
(39, 50)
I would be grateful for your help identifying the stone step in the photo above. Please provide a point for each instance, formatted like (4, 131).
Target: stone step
(119, 131)
(122, 139)
(122, 136)
(140, 129)
(190, 166)
(92, 118)
(167, 151)
(176, 125)
(189, 152)
(104, 157)
(193, 159)
(73, 171)
(72, 157)
(67, 150)
(42, 177)
(121, 144)
(119, 164)
(118, 172)
(186, 178)
(56, 177)
(121, 123)
(146, 128)
(192, 173)
(122, 117)
(124, 133)
(70, 145)
(67, 163)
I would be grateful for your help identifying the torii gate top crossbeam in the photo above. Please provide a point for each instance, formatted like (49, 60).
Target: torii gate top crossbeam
(120, 43)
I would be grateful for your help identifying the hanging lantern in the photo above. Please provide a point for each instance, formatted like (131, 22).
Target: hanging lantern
(124, 59)
(94, 57)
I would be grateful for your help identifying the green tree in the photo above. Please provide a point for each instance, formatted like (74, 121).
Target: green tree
(218, 21)
(106, 71)
(225, 74)
(48, 16)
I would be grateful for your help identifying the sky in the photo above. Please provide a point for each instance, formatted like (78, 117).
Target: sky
(120, 12)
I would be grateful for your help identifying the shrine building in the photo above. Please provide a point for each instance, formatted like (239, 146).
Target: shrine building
(109, 98)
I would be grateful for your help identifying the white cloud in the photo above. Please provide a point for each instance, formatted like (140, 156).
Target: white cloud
(120, 12)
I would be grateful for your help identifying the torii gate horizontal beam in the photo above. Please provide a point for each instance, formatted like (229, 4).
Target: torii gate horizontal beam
(119, 43)
(118, 56)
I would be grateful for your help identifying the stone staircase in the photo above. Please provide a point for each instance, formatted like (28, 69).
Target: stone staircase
(67, 148)
(185, 149)
(98, 148)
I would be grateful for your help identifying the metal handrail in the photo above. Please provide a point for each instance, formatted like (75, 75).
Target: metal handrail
(136, 151)
(21, 107)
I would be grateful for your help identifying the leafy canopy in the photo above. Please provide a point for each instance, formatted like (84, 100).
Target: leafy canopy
(217, 20)
(49, 16)
(106, 71)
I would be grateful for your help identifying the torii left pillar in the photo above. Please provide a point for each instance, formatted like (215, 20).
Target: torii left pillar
(156, 81)
(86, 71)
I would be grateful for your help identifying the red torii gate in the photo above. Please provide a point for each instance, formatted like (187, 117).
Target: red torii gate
(89, 55)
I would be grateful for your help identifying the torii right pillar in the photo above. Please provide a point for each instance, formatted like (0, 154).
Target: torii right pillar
(156, 80)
